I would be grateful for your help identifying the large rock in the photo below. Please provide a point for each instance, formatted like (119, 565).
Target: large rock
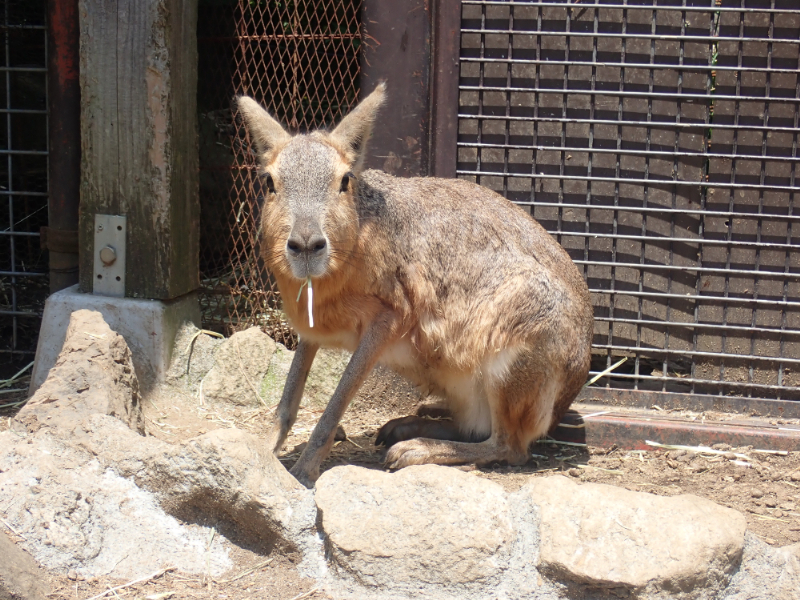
(93, 374)
(91, 494)
(251, 369)
(241, 364)
(604, 536)
(104, 500)
(78, 514)
(417, 531)
(766, 573)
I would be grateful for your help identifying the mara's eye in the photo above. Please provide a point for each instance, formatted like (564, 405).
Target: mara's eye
(270, 184)
(346, 182)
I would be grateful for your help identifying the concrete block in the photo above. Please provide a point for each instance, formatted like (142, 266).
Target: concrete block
(148, 326)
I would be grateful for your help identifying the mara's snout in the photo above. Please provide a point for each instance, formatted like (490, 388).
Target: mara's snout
(307, 251)
(444, 281)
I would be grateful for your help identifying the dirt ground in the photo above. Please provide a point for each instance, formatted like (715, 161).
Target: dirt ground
(764, 487)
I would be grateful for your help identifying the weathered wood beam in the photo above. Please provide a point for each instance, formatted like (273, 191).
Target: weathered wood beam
(138, 75)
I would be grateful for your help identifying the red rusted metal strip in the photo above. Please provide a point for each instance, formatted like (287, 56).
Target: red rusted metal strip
(64, 101)
(631, 432)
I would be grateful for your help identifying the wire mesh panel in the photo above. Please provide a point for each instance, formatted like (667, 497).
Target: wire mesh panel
(23, 178)
(657, 141)
(299, 59)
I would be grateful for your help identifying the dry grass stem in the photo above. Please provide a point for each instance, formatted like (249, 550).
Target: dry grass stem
(306, 594)
(155, 575)
(17, 375)
(247, 572)
(14, 531)
(603, 373)
(697, 449)
(551, 441)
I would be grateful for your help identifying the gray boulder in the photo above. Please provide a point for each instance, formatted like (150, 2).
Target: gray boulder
(241, 363)
(607, 537)
(766, 573)
(422, 530)
(93, 374)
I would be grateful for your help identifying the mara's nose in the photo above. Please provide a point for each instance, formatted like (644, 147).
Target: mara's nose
(310, 244)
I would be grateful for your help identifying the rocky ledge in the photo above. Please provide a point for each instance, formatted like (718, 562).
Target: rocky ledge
(88, 491)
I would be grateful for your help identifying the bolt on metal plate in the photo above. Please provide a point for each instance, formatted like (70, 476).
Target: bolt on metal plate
(109, 255)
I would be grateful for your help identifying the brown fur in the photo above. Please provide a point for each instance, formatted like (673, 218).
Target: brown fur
(448, 283)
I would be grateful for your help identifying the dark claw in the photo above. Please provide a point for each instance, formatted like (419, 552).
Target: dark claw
(340, 435)
(397, 430)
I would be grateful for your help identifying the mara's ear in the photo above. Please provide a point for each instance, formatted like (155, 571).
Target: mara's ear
(352, 134)
(265, 131)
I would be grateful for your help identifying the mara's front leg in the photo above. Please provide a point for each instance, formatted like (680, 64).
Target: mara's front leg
(286, 412)
(380, 332)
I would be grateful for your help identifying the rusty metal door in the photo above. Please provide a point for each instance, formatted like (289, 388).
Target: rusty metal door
(657, 141)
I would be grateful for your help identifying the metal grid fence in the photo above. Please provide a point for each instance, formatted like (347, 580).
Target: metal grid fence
(301, 61)
(657, 141)
(23, 177)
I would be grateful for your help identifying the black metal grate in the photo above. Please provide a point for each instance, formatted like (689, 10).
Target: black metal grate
(23, 178)
(657, 141)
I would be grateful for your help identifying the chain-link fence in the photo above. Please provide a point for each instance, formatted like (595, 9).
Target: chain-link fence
(298, 59)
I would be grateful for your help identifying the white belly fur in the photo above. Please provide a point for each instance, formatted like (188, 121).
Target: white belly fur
(462, 391)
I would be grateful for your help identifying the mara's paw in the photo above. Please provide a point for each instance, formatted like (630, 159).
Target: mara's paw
(409, 452)
(303, 476)
(398, 430)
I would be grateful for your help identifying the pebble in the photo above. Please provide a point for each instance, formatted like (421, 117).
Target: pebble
(795, 476)
(72, 574)
(771, 502)
(756, 493)
(574, 472)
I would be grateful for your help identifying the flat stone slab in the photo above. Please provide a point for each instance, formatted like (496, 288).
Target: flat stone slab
(607, 536)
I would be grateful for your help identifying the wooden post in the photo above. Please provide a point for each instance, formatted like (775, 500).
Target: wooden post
(138, 76)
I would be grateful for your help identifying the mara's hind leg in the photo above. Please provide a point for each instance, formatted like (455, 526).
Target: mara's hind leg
(523, 405)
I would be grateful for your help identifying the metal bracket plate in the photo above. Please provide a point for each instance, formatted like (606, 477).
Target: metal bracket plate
(109, 255)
